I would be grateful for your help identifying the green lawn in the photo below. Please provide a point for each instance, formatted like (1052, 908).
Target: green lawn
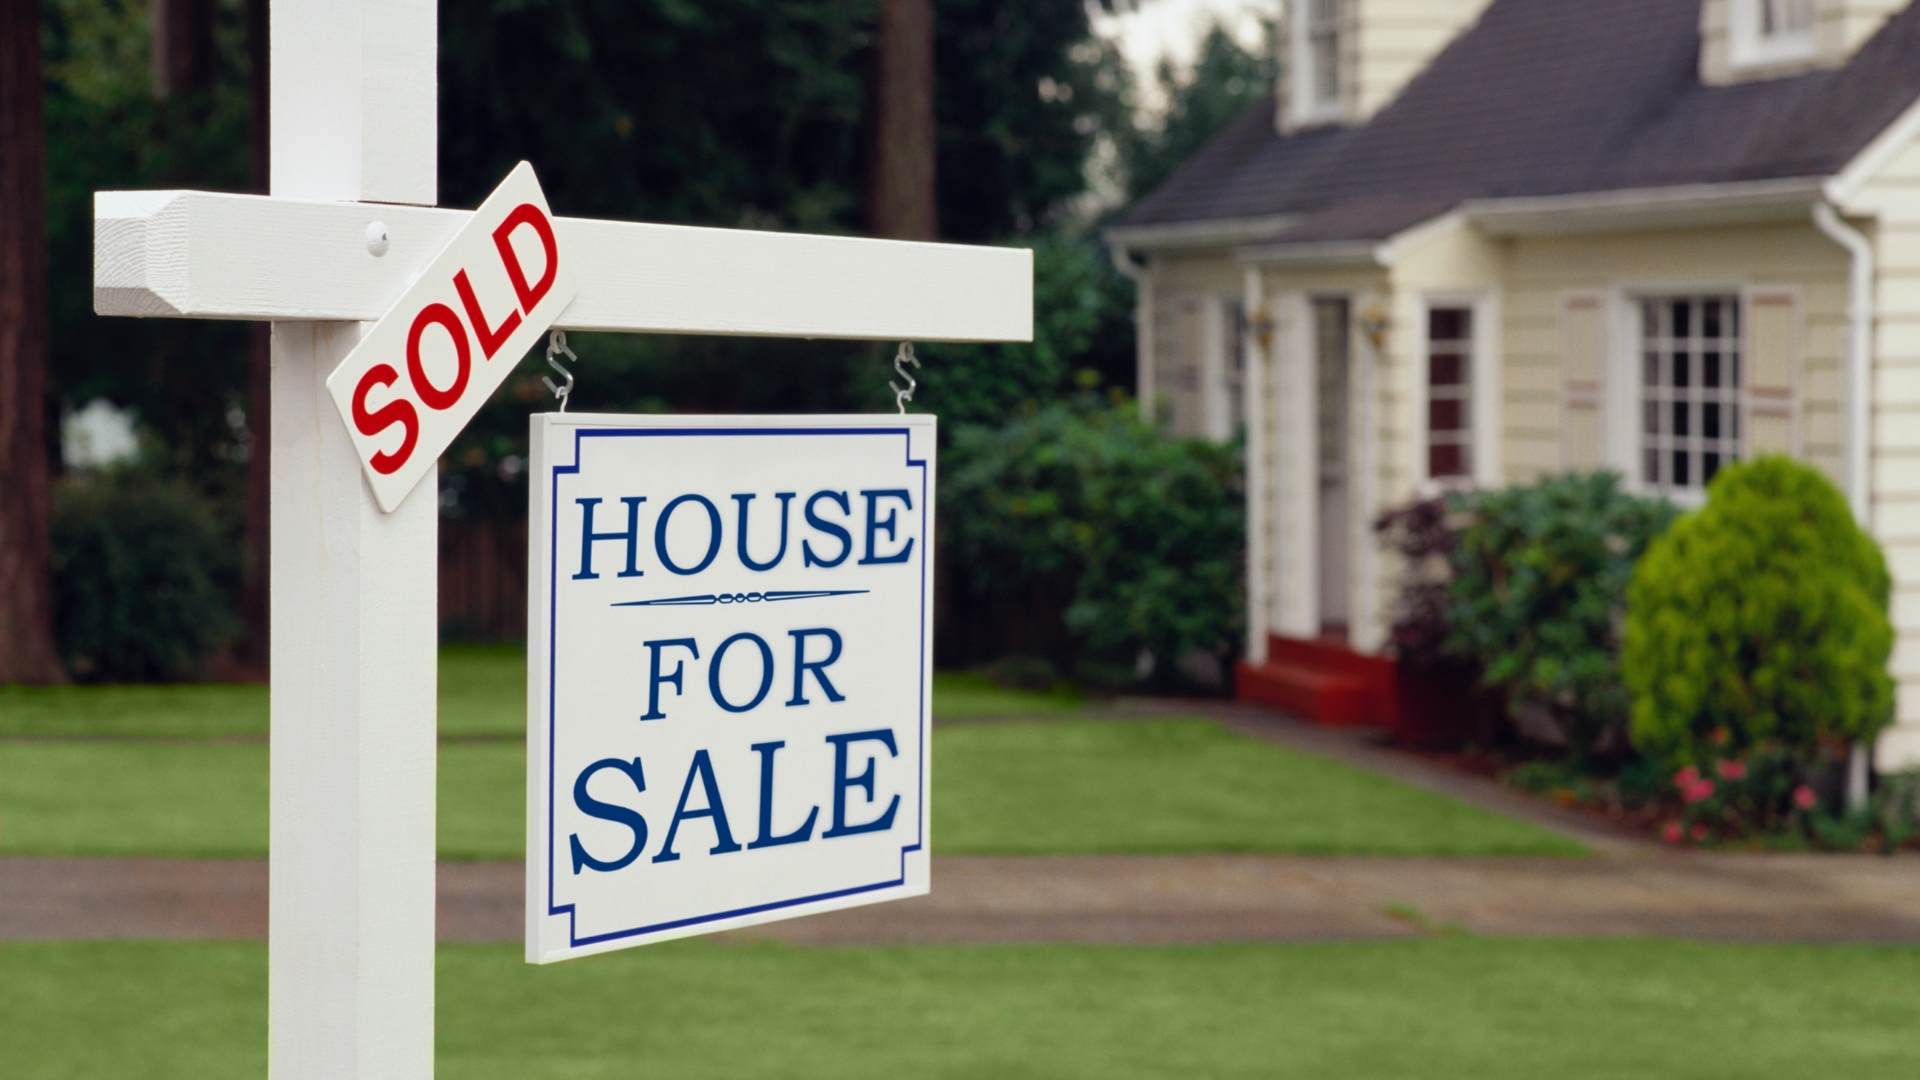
(483, 693)
(961, 695)
(135, 712)
(133, 798)
(1030, 787)
(208, 800)
(1436, 1009)
(1189, 785)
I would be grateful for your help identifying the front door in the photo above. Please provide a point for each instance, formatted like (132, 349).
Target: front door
(1330, 336)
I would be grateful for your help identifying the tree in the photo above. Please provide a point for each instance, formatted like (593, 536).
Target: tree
(183, 54)
(27, 651)
(900, 157)
(257, 565)
(1226, 80)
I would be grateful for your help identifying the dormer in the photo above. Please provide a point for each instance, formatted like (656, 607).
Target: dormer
(1742, 40)
(1345, 59)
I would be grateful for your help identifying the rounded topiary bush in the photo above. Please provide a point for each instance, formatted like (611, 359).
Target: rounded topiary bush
(1759, 619)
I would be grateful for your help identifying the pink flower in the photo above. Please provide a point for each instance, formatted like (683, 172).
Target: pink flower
(1686, 778)
(1804, 798)
(1731, 770)
(1698, 832)
(1672, 833)
(1696, 791)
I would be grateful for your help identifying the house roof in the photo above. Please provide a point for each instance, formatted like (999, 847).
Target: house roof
(1541, 98)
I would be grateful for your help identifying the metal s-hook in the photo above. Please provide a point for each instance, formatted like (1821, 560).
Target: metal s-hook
(557, 343)
(903, 394)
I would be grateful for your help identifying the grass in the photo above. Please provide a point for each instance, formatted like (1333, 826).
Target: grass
(1435, 1008)
(1155, 786)
(133, 798)
(483, 694)
(1025, 787)
(963, 695)
(483, 691)
(209, 800)
(1060, 785)
(185, 711)
(483, 801)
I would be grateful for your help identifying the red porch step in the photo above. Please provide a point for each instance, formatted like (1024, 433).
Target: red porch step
(1322, 681)
(1321, 696)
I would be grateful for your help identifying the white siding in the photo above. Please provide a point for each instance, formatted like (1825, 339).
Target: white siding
(1893, 197)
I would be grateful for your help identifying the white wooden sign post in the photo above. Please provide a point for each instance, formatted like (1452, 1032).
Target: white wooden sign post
(349, 224)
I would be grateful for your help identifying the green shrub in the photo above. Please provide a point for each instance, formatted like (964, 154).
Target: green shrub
(1086, 515)
(1539, 584)
(1758, 620)
(143, 577)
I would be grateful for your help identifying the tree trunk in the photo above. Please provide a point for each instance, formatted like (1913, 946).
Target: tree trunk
(900, 157)
(256, 563)
(27, 652)
(182, 47)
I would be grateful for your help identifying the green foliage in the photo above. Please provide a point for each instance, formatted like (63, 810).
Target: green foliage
(185, 381)
(1764, 797)
(743, 113)
(1760, 618)
(1076, 292)
(1134, 538)
(1225, 81)
(1539, 584)
(143, 577)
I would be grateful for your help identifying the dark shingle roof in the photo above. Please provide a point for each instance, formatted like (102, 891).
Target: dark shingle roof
(1547, 97)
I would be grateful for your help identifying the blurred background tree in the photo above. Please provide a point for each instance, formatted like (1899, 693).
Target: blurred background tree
(815, 115)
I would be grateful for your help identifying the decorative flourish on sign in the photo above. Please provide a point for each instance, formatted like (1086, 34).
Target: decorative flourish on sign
(742, 598)
(903, 394)
(557, 343)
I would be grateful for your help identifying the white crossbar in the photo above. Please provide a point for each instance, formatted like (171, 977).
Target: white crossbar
(193, 254)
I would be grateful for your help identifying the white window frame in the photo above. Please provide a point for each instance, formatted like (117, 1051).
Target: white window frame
(1750, 46)
(1303, 100)
(1626, 389)
(1484, 393)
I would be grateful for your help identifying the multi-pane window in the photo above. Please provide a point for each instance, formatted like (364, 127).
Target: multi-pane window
(1784, 19)
(1323, 51)
(1690, 389)
(1449, 391)
(1772, 31)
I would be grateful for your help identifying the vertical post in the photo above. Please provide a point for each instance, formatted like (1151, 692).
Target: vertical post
(1253, 346)
(353, 593)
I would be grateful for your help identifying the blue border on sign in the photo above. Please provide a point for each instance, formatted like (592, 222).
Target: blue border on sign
(553, 563)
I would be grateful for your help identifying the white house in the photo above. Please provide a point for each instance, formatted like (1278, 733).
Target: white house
(1474, 242)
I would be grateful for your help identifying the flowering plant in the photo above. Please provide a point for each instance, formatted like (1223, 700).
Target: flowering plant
(1768, 794)
(1744, 796)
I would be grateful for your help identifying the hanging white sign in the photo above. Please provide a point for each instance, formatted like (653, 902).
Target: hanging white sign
(729, 654)
(416, 378)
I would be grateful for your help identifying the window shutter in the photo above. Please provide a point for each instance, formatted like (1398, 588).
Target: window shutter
(1583, 380)
(1772, 375)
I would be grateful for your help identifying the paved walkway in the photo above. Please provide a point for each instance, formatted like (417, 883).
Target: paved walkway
(1632, 885)
(1108, 898)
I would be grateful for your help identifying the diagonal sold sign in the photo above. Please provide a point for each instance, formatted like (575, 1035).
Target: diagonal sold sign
(434, 358)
